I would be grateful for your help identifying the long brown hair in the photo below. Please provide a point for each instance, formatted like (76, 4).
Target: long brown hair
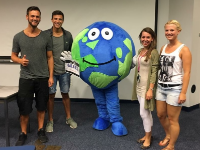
(153, 43)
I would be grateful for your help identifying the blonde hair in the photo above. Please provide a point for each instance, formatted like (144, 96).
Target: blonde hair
(176, 23)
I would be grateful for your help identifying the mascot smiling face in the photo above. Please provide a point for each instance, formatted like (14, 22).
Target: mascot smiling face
(104, 52)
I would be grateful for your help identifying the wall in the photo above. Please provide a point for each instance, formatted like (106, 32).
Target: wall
(163, 15)
(194, 98)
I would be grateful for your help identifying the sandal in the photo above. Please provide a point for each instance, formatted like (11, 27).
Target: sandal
(147, 147)
(167, 148)
(166, 143)
(140, 141)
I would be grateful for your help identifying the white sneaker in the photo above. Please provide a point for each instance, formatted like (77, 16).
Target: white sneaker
(49, 126)
(71, 123)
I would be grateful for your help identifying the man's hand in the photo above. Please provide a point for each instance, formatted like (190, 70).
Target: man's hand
(50, 81)
(24, 61)
(66, 55)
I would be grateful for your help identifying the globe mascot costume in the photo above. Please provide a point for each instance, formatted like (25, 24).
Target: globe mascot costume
(102, 53)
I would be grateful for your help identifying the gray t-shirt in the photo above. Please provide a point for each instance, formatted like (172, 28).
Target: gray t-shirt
(58, 48)
(35, 49)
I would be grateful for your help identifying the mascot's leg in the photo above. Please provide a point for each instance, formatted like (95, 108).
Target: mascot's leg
(103, 121)
(114, 111)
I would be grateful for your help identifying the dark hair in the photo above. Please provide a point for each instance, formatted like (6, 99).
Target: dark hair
(57, 12)
(153, 43)
(32, 8)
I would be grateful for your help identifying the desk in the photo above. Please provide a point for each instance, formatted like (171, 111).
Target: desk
(7, 94)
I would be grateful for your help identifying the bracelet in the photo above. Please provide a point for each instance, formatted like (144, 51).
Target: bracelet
(151, 88)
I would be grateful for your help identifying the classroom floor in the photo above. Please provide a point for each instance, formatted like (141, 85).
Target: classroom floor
(84, 137)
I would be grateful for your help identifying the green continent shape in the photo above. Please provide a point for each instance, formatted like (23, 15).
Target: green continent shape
(76, 48)
(127, 42)
(124, 68)
(84, 39)
(89, 58)
(93, 44)
(119, 52)
(100, 80)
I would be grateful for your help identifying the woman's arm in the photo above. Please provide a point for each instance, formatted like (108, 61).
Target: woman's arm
(154, 71)
(186, 57)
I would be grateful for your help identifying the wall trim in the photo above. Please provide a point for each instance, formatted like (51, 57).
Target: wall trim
(191, 108)
(81, 100)
(92, 100)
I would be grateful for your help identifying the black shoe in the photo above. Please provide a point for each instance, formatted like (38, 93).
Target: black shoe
(21, 140)
(41, 136)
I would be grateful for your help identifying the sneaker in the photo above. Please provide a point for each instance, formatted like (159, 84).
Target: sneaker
(42, 136)
(49, 126)
(21, 140)
(71, 122)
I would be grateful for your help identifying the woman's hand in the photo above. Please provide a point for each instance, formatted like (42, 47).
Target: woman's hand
(182, 98)
(149, 94)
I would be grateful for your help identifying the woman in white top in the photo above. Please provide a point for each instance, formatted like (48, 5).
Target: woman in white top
(173, 80)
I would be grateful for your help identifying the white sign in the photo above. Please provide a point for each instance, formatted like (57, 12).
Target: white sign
(72, 67)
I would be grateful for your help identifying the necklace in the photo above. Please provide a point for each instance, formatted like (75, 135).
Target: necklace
(143, 52)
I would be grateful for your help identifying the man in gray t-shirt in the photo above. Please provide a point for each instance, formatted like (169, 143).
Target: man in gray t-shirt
(62, 41)
(36, 75)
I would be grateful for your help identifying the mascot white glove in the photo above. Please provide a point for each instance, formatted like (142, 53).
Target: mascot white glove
(66, 56)
(71, 66)
(134, 61)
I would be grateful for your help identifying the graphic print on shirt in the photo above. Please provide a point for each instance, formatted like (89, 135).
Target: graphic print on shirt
(166, 70)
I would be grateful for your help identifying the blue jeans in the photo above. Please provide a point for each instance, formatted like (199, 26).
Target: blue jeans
(169, 94)
(64, 83)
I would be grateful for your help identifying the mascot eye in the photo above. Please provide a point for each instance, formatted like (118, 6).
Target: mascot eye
(107, 33)
(93, 33)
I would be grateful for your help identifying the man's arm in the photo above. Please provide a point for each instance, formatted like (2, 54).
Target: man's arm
(50, 65)
(23, 61)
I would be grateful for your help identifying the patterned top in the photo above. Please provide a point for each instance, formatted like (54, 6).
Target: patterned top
(171, 67)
